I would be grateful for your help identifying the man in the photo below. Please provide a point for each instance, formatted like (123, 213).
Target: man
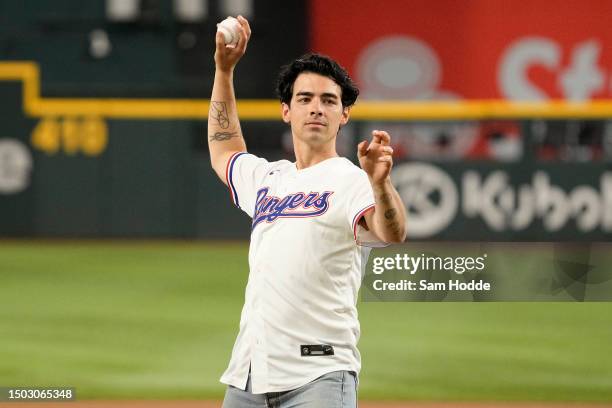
(299, 327)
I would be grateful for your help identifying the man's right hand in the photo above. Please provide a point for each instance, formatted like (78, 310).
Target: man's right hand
(227, 56)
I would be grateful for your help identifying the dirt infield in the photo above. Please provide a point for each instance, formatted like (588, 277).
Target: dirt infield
(217, 404)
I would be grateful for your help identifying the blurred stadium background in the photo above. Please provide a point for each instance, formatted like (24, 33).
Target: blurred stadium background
(123, 262)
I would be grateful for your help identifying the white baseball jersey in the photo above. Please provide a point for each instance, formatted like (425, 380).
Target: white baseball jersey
(306, 266)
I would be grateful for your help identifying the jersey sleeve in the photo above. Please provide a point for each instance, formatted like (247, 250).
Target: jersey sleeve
(244, 173)
(361, 200)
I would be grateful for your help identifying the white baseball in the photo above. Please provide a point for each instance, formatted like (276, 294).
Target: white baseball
(230, 28)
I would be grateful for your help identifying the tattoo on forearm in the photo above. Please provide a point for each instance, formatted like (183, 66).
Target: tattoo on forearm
(385, 199)
(218, 112)
(394, 226)
(390, 214)
(392, 223)
(222, 136)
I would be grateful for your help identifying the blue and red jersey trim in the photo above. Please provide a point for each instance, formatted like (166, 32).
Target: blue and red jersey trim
(357, 217)
(229, 170)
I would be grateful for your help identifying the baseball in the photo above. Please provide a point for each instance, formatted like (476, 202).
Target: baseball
(230, 27)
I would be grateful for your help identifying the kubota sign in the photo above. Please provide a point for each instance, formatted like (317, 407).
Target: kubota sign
(486, 203)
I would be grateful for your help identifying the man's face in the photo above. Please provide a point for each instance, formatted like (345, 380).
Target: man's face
(316, 111)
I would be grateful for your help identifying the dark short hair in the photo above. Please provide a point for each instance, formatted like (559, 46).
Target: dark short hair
(318, 64)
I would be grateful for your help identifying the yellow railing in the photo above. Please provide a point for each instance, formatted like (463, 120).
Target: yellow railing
(250, 109)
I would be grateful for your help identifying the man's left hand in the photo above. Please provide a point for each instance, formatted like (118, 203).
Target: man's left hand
(375, 157)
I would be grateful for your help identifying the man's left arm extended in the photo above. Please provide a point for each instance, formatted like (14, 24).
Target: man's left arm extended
(388, 219)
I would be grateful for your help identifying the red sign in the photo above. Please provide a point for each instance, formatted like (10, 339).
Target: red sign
(449, 49)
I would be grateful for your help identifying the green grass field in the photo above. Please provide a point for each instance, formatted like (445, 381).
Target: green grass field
(157, 320)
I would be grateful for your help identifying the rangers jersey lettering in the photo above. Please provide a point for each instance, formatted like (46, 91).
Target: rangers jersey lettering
(269, 208)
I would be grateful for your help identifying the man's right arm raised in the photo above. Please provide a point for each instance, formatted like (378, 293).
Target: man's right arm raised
(224, 134)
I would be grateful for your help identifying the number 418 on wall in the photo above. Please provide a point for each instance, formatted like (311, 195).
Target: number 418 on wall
(73, 135)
